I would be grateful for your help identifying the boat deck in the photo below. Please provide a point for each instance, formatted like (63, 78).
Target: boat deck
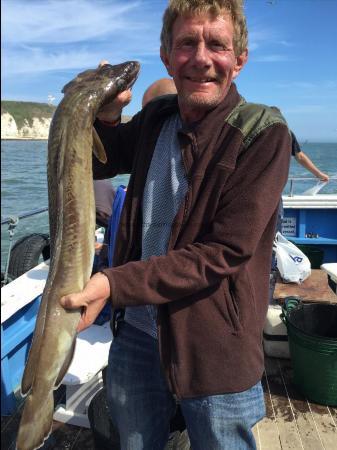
(291, 422)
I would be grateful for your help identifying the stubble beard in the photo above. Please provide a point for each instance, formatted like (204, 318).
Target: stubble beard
(200, 102)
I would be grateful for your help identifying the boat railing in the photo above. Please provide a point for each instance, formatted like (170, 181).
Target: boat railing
(314, 190)
(11, 219)
(12, 222)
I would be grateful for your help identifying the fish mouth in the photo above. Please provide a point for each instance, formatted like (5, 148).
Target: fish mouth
(125, 74)
(131, 73)
(132, 69)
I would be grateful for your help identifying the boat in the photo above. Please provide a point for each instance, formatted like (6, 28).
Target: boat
(292, 421)
(310, 220)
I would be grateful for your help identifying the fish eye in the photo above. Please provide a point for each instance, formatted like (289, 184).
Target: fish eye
(105, 68)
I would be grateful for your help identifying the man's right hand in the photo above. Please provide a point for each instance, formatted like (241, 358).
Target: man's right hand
(92, 299)
(323, 176)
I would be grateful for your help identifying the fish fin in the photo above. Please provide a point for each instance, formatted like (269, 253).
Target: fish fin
(36, 421)
(98, 148)
(34, 351)
(65, 365)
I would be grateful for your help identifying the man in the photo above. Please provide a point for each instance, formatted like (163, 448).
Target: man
(163, 86)
(305, 161)
(194, 244)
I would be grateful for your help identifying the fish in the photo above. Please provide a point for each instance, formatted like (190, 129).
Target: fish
(71, 143)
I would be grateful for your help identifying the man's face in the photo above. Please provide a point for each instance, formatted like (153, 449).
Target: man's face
(202, 62)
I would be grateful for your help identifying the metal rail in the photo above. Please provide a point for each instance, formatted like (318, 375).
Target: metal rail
(11, 219)
(293, 179)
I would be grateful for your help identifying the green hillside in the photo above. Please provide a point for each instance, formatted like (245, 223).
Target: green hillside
(26, 110)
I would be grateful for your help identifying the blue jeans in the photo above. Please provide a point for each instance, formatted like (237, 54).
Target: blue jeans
(141, 405)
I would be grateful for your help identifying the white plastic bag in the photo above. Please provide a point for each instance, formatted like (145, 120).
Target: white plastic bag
(294, 266)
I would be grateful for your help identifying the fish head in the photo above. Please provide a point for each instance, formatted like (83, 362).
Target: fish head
(107, 81)
(123, 75)
(117, 78)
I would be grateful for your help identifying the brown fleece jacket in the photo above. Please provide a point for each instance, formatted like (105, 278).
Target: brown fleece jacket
(212, 286)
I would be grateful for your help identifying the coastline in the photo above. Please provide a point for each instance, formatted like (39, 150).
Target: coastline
(24, 139)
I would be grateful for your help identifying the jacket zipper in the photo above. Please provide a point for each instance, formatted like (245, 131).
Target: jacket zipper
(187, 196)
(172, 375)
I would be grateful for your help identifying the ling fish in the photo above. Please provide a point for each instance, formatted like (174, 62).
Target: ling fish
(72, 140)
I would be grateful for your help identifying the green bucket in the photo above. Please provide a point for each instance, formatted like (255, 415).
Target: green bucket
(312, 335)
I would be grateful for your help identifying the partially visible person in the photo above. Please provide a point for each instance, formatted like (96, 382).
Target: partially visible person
(301, 157)
(192, 260)
(163, 86)
(104, 195)
(305, 161)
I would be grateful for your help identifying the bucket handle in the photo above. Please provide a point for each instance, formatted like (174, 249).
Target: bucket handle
(289, 304)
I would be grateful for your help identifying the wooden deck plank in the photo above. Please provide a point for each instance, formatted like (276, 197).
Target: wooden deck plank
(5, 422)
(316, 423)
(9, 432)
(305, 423)
(255, 431)
(63, 436)
(325, 424)
(286, 422)
(268, 435)
(84, 441)
(267, 428)
(333, 411)
(291, 422)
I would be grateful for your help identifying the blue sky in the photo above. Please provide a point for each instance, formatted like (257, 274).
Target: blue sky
(292, 52)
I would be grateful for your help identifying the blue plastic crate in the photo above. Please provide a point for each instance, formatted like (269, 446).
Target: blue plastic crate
(16, 337)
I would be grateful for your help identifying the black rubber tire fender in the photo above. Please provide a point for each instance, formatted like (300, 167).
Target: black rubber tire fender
(26, 253)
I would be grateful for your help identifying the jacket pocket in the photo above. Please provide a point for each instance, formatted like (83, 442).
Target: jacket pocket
(227, 307)
(242, 293)
(232, 305)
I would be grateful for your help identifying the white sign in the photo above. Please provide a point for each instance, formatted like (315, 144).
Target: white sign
(289, 226)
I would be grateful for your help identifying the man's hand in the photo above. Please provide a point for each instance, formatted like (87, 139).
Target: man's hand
(112, 111)
(92, 299)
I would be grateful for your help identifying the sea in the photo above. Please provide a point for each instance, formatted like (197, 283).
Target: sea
(24, 183)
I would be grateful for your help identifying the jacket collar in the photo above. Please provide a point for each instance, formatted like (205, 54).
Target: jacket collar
(205, 134)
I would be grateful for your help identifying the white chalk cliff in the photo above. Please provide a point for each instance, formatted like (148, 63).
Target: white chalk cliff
(38, 130)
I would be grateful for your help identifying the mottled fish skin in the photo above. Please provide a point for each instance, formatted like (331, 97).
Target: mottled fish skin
(72, 229)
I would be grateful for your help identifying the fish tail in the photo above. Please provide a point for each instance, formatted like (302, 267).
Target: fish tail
(36, 422)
